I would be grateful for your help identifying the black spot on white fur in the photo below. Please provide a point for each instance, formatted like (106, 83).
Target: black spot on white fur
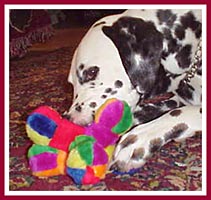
(167, 17)
(104, 96)
(175, 113)
(185, 91)
(129, 141)
(138, 154)
(189, 21)
(183, 56)
(113, 92)
(155, 144)
(118, 84)
(108, 90)
(176, 131)
(180, 32)
(93, 104)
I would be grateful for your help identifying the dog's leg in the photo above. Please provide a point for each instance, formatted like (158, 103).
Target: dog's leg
(142, 141)
(149, 111)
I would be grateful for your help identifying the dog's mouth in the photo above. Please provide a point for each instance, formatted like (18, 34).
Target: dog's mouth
(80, 118)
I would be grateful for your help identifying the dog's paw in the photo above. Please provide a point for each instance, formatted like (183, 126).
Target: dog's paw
(135, 148)
(128, 155)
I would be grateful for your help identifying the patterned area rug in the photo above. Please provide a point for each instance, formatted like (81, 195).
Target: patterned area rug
(41, 79)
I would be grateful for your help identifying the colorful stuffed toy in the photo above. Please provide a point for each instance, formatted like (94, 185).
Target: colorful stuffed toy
(62, 147)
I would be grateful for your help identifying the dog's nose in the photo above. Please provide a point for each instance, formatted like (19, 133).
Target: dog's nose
(67, 116)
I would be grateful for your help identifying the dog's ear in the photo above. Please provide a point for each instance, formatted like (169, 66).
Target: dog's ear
(140, 47)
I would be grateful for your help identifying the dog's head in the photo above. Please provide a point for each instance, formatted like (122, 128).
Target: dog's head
(97, 74)
(114, 60)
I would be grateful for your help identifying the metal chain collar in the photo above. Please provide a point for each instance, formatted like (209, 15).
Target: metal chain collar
(195, 64)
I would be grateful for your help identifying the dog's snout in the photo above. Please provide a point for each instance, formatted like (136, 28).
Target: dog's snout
(75, 116)
(67, 116)
(78, 108)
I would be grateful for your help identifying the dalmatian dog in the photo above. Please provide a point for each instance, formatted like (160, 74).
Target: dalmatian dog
(138, 56)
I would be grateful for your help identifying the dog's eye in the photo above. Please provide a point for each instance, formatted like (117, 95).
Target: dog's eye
(90, 74)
